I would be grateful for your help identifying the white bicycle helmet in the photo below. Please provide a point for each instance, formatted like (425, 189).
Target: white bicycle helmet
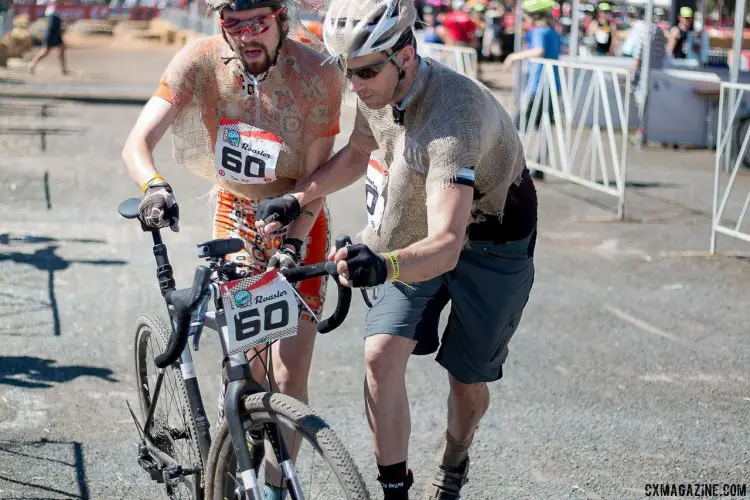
(354, 28)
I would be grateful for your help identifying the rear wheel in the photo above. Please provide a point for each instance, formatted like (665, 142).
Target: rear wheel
(173, 431)
(329, 474)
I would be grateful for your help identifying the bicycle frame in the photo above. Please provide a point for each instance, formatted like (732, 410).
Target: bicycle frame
(240, 384)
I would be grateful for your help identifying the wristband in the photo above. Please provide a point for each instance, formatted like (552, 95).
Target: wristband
(145, 185)
(394, 263)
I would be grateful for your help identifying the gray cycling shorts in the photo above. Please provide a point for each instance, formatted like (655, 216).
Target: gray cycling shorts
(488, 290)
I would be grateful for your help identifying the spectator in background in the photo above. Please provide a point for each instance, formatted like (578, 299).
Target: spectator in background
(477, 10)
(657, 53)
(637, 30)
(544, 42)
(508, 36)
(52, 38)
(493, 32)
(431, 20)
(458, 28)
(603, 31)
(678, 34)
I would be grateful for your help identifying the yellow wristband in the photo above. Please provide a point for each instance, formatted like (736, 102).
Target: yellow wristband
(145, 185)
(394, 263)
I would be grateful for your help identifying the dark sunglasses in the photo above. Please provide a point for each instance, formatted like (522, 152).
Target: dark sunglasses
(365, 72)
(253, 26)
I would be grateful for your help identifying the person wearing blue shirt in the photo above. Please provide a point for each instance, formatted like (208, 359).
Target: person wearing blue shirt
(431, 21)
(543, 42)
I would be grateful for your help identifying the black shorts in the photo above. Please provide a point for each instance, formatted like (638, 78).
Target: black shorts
(52, 41)
(488, 290)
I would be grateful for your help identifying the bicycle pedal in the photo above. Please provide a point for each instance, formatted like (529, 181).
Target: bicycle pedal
(172, 475)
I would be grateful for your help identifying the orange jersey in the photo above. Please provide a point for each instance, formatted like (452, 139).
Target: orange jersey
(252, 145)
(235, 218)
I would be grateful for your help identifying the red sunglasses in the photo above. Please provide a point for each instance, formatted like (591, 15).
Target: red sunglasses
(253, 26)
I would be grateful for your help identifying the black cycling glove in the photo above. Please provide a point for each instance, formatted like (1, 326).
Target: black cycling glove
(282, 210)
(366, 268)
(158, 208)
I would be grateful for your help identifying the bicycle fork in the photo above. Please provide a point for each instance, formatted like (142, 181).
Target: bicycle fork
(239, 383)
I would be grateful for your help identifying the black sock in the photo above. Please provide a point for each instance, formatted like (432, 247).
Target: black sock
(395, 480)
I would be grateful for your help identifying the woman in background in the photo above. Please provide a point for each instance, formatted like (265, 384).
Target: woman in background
(52, 38)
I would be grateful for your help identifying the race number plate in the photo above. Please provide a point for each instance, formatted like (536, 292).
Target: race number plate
(246, 154)
(258, 309)
(375, 193)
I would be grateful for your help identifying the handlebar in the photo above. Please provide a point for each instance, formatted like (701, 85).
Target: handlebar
(181, 305)
(344, 298)
(188, 306)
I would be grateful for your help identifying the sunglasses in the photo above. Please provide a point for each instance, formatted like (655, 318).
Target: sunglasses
(365, 72)
(253, 26)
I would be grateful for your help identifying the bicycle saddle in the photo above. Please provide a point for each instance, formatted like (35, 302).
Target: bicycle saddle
(220, 248)
(129, 208)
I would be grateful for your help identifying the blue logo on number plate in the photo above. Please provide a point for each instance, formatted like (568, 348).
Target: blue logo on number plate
(242, 298)
(233, 138)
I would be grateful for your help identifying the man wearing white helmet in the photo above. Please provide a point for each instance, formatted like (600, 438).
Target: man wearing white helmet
(452, 215)
(252, 111)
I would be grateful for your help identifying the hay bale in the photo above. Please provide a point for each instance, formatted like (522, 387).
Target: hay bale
(125, 28)
(21, 21)
(17, 42)
(91, 27)
(38, 29)
(166, 31)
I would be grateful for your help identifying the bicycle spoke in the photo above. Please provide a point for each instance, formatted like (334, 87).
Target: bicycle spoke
(170, 431)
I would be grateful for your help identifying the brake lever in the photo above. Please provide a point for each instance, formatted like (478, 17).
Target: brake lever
(343, 301)
(199, 318)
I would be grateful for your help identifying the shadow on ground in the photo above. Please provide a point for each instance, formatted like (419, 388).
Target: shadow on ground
(34, 455)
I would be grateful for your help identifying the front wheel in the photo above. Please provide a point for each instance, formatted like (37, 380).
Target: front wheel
(333, 475)
(173, 431)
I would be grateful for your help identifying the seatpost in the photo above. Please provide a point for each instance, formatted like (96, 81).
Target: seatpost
(163, 268)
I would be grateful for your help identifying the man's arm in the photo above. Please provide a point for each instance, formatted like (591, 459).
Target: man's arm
(449, 211)
(342, 170)
(155, 118)
(613, 45)
(523, 55)
(317, 153)
(448, 215)
(674, 35)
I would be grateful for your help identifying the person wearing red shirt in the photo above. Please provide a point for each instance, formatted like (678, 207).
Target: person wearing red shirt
(458, 28)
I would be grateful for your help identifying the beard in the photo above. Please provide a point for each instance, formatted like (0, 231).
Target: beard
(256, 65)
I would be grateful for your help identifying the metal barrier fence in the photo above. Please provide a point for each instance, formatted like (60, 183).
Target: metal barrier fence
(731, 153)
(572, 129)
(461, 59)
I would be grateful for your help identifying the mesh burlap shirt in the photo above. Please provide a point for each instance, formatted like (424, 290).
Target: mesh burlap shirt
(299, 102)
(450, 123)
